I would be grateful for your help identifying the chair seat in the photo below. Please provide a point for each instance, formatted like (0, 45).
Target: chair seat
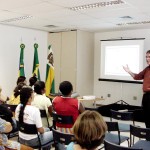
(145, 145)
(113, 138)
(124, 127)
(43, 144)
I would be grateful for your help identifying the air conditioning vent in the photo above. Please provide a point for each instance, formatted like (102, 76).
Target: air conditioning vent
(51, 26)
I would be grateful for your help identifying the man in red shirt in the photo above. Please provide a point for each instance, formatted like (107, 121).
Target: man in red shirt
(145, 75)
(66, 105)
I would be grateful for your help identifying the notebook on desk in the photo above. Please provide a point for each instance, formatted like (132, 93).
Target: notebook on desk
(55, 94)
(73, 95)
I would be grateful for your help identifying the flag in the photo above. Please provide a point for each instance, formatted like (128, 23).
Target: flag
(35, 70)
(21, 63)
(50, 82)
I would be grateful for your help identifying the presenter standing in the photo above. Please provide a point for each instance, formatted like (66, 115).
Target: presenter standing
(145, 75)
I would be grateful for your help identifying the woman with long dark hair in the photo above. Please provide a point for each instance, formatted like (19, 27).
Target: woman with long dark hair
(26, 113)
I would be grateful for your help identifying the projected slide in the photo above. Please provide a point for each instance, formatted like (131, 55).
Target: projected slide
(118, 56)
(119, 53)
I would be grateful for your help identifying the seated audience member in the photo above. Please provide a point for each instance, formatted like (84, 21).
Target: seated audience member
(29, 114)
(89, 131)
(67, 106)
(41, 101)
(15, 97)
(7, 115)
(21, 79)
(3, 98)
(5, 144)
(32, 81)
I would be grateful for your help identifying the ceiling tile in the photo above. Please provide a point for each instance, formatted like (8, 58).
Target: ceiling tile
(57, 12)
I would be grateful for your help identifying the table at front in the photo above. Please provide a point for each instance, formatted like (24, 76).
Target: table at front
(91, 100)
(83, 100)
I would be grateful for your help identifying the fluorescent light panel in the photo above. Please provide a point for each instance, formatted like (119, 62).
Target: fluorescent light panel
(94, 5)
(16, 19)
(132, 23)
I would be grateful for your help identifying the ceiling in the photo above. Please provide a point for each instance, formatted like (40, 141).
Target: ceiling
(56, 15)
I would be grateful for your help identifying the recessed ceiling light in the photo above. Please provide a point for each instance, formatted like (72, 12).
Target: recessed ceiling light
(94, 5)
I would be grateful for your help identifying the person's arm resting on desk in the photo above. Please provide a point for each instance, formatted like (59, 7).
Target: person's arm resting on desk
(81, 108)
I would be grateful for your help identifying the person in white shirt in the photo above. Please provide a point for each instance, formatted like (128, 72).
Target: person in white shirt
(42, 102)
(29, 114)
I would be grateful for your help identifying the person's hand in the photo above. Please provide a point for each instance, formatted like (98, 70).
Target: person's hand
(126, 68)
(1, 141)
(8, 127)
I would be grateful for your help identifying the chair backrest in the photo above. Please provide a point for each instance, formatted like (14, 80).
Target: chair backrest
(91, 108)
(44, 115)
(62, 119)
(6, 113)
(11, 107)
(119, 115)
(140, 132)
(111, 146)
(28, 129)
(63, 138)
(112, 126)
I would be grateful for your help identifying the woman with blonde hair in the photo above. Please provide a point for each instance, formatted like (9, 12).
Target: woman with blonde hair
(15, 97)
(89, 131)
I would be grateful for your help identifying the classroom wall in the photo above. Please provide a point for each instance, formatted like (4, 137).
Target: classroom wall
(78, 53)
(11, 37)
(118, 91)
(85, 62)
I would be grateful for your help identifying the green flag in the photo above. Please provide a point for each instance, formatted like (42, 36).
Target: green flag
(35, 70)
(21, 63)
(50, 82)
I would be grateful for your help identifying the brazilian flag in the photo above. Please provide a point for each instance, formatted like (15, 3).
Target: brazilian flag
(35, 70)
(21, 63)
(50, 82)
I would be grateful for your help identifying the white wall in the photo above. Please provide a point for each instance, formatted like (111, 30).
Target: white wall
(85, 62)
(74, 59)
(10, 38)
(129, 90)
